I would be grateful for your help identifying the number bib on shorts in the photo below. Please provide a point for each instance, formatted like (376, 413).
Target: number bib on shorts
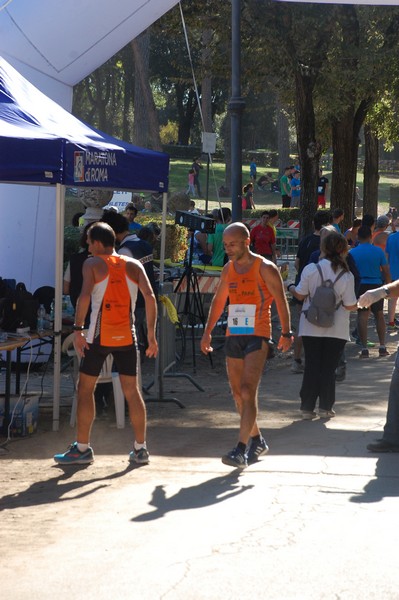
(241, 319)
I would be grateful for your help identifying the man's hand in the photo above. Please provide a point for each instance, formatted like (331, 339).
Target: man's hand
(152, 349)
(206, 343)
(285, 343)
(80, 344)
(370, 297)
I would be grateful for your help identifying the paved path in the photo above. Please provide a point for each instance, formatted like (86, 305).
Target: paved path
(315, 519)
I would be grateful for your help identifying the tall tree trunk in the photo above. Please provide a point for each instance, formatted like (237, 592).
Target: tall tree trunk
(146, 125)
(186, 107)
(345, 144)
(370, 175)
(283, 138)
(309, 149)
(128, 97)
(345, 147)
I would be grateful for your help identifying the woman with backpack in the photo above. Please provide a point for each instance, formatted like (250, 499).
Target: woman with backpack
(328, 293)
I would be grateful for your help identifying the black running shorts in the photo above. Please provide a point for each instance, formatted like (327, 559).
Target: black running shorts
(125, 359)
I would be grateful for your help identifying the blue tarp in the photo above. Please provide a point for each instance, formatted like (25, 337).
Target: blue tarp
(40, 142)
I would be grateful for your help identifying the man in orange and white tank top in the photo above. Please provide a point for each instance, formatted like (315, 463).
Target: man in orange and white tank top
(250, 283)
(110, 283)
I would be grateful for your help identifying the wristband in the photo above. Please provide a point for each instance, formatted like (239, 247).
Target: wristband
(289, 334)
(290, 285)
(78, 327)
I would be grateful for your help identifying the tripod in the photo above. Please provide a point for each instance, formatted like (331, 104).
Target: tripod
(193, 307)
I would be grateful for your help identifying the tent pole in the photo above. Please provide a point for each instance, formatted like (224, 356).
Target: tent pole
(59, 256)
(163, 240)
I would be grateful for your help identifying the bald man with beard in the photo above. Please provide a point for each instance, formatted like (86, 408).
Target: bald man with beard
(250, 283)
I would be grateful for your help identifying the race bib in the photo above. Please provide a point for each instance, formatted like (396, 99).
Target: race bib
(241, 319)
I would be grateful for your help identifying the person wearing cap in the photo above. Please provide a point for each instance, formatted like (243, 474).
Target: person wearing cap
(380, 234)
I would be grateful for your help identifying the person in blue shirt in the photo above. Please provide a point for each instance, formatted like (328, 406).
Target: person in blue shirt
(392, 252)
(295, 189)
(131, 214)
(373, 267)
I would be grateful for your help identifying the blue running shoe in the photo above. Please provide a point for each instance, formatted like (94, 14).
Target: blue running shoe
(235, 458)
(73, 456)
(140, 457)
(256, 449)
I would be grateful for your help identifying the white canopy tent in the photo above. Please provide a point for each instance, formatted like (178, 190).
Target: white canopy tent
(55, 44)
(42, 143)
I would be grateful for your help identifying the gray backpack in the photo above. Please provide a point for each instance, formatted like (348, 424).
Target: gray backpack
(323, 304)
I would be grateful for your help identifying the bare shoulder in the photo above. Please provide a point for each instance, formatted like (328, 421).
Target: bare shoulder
(268, 267)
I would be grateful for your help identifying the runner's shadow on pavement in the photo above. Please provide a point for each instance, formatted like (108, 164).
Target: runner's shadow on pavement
(314, 438)
(385, 484)
(204, 494)
(53, 490)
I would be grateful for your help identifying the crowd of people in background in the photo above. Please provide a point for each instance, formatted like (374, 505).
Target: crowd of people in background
(359, 262)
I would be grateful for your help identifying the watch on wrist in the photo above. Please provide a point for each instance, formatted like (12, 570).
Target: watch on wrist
(289, 334)
(386, 290)
(78, 327)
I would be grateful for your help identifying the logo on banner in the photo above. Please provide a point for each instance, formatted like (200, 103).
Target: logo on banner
(92, 167)
(78, 166)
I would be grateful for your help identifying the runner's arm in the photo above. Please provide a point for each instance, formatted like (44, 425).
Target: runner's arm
(272, 278)
(217, 306)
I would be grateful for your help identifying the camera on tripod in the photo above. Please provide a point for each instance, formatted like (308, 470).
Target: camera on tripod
(195, 222)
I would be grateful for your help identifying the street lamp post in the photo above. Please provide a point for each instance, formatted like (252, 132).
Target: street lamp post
(236, 108)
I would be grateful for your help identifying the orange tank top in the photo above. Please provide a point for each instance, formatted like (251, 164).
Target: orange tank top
(113, 302)
(249, 302)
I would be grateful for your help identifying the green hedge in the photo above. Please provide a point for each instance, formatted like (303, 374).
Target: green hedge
(284, 214)
(176, 238)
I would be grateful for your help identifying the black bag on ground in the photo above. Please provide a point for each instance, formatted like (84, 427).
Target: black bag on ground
(19, 309)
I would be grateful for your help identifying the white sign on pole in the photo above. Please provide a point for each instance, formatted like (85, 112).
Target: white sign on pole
(120, 200)
(208, 142)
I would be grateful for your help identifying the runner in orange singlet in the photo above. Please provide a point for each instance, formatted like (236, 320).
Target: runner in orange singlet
(110, 283)
(250, 283)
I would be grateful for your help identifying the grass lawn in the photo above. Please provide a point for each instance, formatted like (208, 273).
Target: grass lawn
(179, 176)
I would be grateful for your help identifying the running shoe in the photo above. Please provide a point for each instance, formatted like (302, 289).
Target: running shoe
(73, 456)
(256, 449)
(235, 458)
(326, 414)
(364, 353)
(392, 327)
(382, 351)
(369, 344)
(140, 457)
(308, 415)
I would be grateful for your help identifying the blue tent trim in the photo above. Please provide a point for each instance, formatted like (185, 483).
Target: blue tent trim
(42, 143)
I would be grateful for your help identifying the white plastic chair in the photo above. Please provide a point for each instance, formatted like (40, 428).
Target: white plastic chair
(105, 376)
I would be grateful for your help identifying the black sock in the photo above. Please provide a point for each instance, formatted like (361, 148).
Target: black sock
(257, 438)
(298, 360)
(241, 447)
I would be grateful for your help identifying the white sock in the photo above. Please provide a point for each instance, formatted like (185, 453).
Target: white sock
(82, 447)
(137, 446)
